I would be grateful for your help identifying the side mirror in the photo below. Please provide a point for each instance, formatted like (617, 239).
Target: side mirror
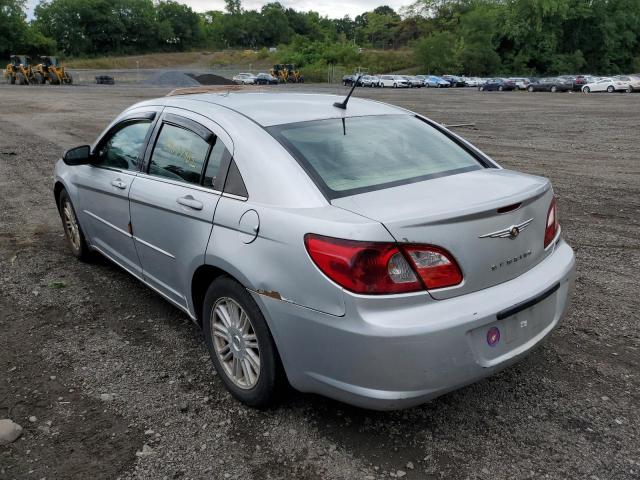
(78, 156)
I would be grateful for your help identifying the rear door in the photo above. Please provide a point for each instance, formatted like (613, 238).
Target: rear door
(173, 201)
(104, 187)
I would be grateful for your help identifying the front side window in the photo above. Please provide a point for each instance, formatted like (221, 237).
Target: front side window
(179, 154)
(358, 154)
(123, 149)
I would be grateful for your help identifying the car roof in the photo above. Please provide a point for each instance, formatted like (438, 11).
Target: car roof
(266, 108)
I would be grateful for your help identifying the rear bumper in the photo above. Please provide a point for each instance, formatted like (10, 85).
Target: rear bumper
(399, 351)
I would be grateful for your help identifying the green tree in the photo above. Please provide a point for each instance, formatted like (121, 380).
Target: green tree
(13, 26)
(436, 53)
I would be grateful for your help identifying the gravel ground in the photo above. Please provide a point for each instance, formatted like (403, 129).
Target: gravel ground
(110, 381)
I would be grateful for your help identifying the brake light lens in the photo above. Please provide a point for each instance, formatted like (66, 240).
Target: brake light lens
(551, 228)
(377, 268)
(436, 266)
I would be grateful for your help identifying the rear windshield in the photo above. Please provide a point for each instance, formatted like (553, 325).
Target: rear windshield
(359, 154)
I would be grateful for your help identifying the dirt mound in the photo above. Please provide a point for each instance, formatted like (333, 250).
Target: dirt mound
(171, 79)
(211, 79)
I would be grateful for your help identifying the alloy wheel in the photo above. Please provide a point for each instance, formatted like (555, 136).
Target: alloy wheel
(71, 225)
(235, 343)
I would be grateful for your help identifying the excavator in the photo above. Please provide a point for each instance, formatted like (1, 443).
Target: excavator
(19, 70)
(51, 71)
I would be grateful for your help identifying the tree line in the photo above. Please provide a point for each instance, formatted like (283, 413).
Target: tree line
(472, 37)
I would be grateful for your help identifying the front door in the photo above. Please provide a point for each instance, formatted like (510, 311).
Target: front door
(174, 200)
(104, 190)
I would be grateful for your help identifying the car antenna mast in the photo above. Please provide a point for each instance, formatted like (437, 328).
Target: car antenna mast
(343, 105)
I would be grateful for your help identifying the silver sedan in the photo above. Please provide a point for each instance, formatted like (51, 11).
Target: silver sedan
(359, 251)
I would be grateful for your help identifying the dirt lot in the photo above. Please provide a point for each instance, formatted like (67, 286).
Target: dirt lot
(103, 365)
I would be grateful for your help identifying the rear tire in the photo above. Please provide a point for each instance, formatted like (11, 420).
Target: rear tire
(628, 89)
(241, 344)
(481, 88)
(586, 90)
(500, 88)
(610, 89)
(530, 89)
(554, 89)
(72, 230)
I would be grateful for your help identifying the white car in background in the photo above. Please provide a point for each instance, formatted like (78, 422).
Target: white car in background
(244, 78)
(472, 81)
(632, 81)
(521, 83)
(395, 81)
(606, 84)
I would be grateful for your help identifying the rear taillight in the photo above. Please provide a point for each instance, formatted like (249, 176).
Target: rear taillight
(436, 266)
(552, 223)
(382, 268)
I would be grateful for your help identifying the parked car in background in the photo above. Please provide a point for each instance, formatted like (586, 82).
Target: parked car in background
(244, 78)
(370, 81)
(454, 81)
(549, 85)
(632, 82)
(606, 84)
(395, 81)
(472, 81)
(376, 258)
(265, 79)
(581, 80)
(413, 81)
(437, 82)
(497, 84)
(521, 82)
(348, 80)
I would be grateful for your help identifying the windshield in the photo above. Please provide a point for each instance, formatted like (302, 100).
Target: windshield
(359, 154)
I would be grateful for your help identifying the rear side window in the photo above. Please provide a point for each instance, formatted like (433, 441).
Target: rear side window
(219, 157)
(179, 154)
(234, 183)
(359, 154)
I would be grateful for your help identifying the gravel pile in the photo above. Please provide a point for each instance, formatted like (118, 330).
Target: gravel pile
(211, 79)
(171, 79)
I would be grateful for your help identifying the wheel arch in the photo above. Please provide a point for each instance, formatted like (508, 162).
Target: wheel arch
(57, 190)
(203, 276)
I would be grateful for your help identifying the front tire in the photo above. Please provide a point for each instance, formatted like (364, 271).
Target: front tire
(586, 90)
(500, 88)
(610, 89)
(530, 89)
(240, 344)
(554, 89)
(72, 230)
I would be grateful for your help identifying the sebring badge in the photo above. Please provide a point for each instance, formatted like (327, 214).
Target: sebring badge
(510, 232)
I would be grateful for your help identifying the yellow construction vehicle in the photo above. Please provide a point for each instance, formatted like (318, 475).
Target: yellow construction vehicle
(293, 75)
(286, 73)
(51, 71)
(19, 70)
(280, 72)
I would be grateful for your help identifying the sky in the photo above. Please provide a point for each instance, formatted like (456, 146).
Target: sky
(330, 8)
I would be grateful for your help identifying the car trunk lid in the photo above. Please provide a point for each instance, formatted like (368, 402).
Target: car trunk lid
(472, 216)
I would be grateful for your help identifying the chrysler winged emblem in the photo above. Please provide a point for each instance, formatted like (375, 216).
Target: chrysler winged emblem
(510, 232)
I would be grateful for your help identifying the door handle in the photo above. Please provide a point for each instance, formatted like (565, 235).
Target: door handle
(189, 201)
(119, 184)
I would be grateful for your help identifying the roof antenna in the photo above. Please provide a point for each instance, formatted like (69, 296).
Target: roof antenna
(343, 105)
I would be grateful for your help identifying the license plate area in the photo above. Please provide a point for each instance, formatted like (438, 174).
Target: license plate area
(507, 336)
